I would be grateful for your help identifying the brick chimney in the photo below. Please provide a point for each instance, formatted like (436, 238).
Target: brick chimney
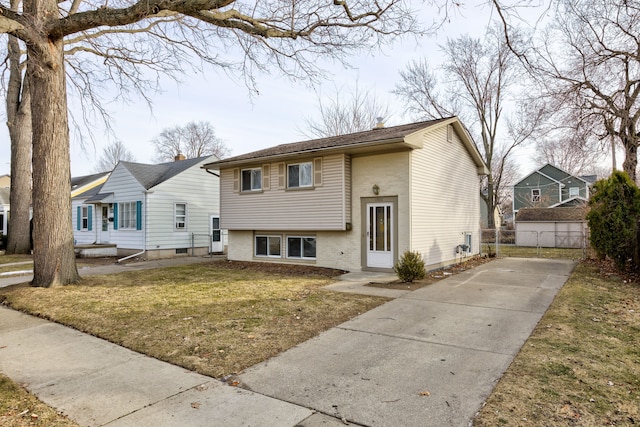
(179, 157)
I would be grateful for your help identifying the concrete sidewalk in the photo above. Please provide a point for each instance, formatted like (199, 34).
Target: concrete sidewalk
(427, 358)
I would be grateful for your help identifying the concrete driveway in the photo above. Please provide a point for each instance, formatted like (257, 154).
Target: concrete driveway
(428, 358)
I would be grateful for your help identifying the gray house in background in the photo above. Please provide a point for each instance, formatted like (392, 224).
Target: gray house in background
(549, 187)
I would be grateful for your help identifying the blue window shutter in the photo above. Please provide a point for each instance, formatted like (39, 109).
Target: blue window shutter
(79, 219)
(115, 216)
(138, 215)
(90, 217)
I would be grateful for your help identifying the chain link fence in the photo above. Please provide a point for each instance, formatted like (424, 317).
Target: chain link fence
(504, 242)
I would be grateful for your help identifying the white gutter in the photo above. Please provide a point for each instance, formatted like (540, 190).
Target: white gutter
(144, 231)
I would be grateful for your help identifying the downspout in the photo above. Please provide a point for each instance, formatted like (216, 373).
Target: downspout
(144, 233)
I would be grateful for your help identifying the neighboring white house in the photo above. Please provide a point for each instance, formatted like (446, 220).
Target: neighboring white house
(4, 209)
(357, 201)
(155, 211)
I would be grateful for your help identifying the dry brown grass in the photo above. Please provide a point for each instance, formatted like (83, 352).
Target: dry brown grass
(7, 259)
(18, 408)
(216, 318)
(581, 364)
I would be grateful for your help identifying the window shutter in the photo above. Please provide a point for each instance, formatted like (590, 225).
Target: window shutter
(139, 215)
(236, 180)
(79, 219)
(90, 217)
(266, 177)
(115, 216)
(282, 175)
(317, 172)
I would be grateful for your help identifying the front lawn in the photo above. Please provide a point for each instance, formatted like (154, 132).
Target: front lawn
(214, 318)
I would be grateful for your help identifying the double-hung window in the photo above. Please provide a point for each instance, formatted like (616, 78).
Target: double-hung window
(128, 218)
(180, 216)
(535, 195)
(268, 246)
(251, 179)
(301, 247)
(85, 217)
(300, 175)
(574, 191)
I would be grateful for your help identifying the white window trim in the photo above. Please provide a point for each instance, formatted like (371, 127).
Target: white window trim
(132, 216)
(534, 198)
(175, 216)
(468, 240)
(574, 189)
(302, 248)
(268, 236)
(259, 181)
(310, 185)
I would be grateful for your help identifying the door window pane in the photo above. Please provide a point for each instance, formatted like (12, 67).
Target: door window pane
(380, 229)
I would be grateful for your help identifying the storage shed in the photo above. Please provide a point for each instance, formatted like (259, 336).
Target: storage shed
(562, 227)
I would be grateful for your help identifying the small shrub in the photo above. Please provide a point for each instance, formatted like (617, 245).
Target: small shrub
(410, 267)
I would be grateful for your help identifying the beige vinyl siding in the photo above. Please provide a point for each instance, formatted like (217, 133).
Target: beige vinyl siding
(199, 191)
(390, 172)
(319, 208)
(445, 198)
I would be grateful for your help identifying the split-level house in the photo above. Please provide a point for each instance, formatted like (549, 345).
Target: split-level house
(550, 186)
(357, 201)
(152, 211)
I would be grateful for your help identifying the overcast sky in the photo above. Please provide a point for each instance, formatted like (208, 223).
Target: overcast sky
(276, 115)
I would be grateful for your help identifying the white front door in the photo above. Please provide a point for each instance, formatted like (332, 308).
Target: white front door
(216, 234)
(103, 230)
(380, 235)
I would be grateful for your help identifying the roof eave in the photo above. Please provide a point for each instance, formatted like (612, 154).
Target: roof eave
(351, 148)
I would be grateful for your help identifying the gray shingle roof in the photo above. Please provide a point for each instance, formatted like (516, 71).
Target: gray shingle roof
(151, 175)
(352, 139)
(551, 214)
(79, 181)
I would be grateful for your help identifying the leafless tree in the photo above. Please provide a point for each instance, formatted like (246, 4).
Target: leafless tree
(348, 111)
(195, 139)
(473, 83)
(112, 154)
(588, 60)
(18, 105)
(289, 35)
(94, 70)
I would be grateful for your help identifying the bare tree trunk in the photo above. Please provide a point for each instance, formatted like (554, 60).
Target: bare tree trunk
(19, 124)
(491, 204)
(53, 252)
(630, 163)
